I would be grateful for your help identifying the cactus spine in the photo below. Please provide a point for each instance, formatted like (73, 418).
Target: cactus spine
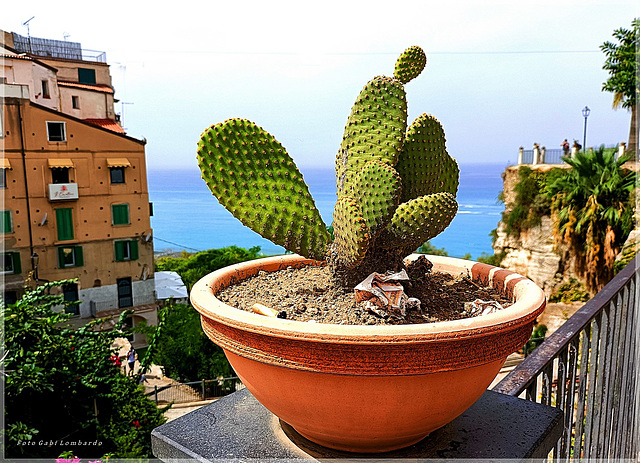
(396, 186)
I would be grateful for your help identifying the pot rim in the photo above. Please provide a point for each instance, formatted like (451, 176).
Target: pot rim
(530, 301)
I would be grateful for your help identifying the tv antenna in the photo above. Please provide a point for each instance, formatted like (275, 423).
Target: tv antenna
(26, 23)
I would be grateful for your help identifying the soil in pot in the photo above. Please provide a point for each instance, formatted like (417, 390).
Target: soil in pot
(310, 294)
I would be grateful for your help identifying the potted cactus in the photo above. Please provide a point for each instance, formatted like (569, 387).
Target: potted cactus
(350, 387)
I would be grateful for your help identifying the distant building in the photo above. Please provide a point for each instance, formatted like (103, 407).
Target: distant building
(76, 202)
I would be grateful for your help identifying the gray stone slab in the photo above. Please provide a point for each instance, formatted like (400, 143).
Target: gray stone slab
(238, 427)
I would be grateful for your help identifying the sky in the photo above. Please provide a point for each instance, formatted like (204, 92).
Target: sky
(499, 74)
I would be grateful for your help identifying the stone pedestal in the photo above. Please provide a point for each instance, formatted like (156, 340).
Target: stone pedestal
(497, 426)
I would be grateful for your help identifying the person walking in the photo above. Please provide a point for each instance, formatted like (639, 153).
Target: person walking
(131, 359)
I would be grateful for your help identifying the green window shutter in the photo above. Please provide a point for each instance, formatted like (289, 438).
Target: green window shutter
(64, 222)
(77, 254)
(5, 222)
(17, 266)
(60, 257)
(133, 247)
(120, 214)
(119, 246)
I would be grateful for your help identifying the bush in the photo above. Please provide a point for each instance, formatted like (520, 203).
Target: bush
(570, 291)
(184, 350)
(193, 267)
(62, 386)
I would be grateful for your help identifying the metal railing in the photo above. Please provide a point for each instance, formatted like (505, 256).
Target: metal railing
(590, 369)
(195, 391)
(548, 156)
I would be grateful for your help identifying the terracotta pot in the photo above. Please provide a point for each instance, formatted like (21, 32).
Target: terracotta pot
(367, 388)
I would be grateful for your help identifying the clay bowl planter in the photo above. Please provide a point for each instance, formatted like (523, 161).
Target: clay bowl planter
(367, 388)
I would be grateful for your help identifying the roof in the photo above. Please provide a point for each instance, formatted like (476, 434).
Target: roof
(92, 87)
(169, 284)
(109, 124)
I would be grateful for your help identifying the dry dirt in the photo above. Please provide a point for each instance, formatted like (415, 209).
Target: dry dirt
(309, 294)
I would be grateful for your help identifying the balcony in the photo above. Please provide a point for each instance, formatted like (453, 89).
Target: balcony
(589, 369)
(63, 191)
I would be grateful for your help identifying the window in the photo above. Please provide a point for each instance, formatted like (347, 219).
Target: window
(120, 214)
(5, 222)
(11, 262)
(125, 292)
(117, 174)
(45, 89)
(3, 178)
(64, 224)
(60, 175)
(56, 131)
(86, 76)
(70, 256)
(126, 250)
(75, 102)
(70, 293)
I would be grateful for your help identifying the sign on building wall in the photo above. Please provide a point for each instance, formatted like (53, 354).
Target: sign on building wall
(60, 191)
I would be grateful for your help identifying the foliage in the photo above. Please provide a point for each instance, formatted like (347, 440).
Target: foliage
(492, 259)
(193, 267)
(531, 202)
(592, 203)
(428, 248)
(61, 385)
(396, 185)
(570, 291)
(184, 350)
(537, 338)
(622, 64)
(627, 256)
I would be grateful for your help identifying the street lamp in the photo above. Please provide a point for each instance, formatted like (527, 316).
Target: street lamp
(585, 112)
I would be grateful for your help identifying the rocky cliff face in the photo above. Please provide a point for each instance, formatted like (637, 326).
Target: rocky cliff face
(533, 253)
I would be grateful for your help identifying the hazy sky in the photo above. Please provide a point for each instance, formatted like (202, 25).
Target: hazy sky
(499, 75)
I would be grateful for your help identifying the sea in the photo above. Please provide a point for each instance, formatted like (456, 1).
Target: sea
(186, 216)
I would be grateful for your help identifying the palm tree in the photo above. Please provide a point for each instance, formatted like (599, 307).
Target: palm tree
(624, 75)
(593, 211)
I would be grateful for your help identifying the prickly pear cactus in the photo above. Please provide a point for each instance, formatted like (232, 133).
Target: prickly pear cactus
(412, 199)
(252, 176)
(396, 185)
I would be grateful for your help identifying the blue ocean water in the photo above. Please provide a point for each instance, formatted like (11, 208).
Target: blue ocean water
(187, 216)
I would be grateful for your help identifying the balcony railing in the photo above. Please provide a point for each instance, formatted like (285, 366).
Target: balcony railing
(590, 369)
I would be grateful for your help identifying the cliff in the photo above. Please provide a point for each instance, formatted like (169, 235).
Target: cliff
(533, 253)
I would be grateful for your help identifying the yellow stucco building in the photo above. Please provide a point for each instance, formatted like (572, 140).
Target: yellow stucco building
(74, 186)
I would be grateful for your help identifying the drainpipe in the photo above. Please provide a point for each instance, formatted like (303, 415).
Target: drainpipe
(26, 184)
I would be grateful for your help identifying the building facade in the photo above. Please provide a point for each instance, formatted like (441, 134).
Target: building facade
(74, 185)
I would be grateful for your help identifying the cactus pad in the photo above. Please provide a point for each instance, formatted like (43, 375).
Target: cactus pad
(421, 219)
(375, 129)
(252, 176)
(351, 233)
(410, 64)
(424, 164)
(376, 188)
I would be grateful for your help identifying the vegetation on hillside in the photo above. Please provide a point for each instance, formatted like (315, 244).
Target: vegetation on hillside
(594, 212)
(192, 267)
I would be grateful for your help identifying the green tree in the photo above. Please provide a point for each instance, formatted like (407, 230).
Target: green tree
(193, 267)
(592, 203)
(184, 350)
(622, 64)
(63, 391)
